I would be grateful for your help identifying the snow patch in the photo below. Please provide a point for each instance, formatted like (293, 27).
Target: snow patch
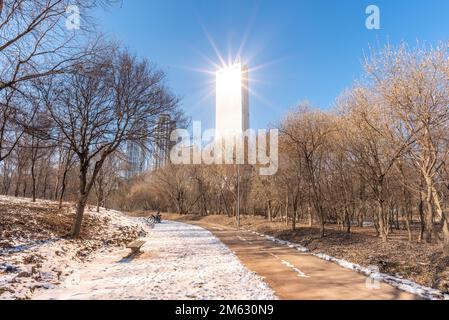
(282, 242)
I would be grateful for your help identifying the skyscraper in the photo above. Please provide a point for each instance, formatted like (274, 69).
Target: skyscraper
(162, 143)
(231, 110)
(136, 156)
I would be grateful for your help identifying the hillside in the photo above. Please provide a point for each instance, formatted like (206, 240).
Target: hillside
(35, 251)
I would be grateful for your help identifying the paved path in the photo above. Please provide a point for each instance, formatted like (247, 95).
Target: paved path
(294, 275)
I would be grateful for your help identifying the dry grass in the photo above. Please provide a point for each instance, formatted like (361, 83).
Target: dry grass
(40, 221)
(23, 222)
(420, 262)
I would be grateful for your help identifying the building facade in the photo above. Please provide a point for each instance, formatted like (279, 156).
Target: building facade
(162, 143)
(232, 100)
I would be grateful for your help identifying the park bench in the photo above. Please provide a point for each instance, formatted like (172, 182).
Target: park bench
(135, 246)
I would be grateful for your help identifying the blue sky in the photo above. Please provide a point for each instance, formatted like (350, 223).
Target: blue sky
(299, 49)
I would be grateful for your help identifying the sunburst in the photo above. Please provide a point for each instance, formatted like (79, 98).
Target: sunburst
(222, 61)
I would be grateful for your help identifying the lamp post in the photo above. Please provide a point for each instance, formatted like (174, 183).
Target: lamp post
(238, 196)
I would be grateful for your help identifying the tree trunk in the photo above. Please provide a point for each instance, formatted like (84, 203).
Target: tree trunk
(84, 189)
(309, 213)
(445, 242)
(398, 227)
(33, 178)
(322, 231)
(348, 221)
(428, 217)
(294, 220)
(443, 217)
(100, 196)
(421, 217)
(407, 213)
(24, 190)
(56, 188)
(18, 182)
(269, 211)
(360, 219)
(407, 224)
(58, 176)
(382, 227)
(80, 206)
(44, 189)
(321, 219)
(376, 224)
(63, 186)
(82, 200)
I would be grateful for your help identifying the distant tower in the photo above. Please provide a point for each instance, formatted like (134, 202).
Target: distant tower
(232, 100)
(135, 160)
(162, 144)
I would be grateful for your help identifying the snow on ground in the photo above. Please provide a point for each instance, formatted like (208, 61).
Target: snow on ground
(179, 261)
(28, 263)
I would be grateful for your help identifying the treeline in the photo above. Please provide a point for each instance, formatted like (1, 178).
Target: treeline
(70, 103)
(378, 158)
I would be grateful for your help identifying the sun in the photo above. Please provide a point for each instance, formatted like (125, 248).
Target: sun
(228, 77)
(226, 66)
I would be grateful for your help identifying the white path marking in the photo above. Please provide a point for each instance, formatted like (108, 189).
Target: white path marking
(243, 239)
(288, 264)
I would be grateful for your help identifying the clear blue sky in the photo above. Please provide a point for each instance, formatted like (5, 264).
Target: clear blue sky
(301, 49)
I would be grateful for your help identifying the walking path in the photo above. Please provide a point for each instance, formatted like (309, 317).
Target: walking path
(179, 261)
(296, 275)
(186, 261)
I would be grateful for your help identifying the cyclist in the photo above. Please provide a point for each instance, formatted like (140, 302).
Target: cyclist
(158, 217)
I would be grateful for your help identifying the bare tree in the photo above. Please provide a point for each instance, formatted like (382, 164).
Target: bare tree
(415, 84)
(177, 183)
(36, 41)
(35, 44)
(308, 130)
(372, 143)
(100, 106)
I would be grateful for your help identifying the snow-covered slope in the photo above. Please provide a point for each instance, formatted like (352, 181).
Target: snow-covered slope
(34, 252)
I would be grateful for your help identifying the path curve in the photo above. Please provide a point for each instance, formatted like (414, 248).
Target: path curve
(179, 261)
(295, 275)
